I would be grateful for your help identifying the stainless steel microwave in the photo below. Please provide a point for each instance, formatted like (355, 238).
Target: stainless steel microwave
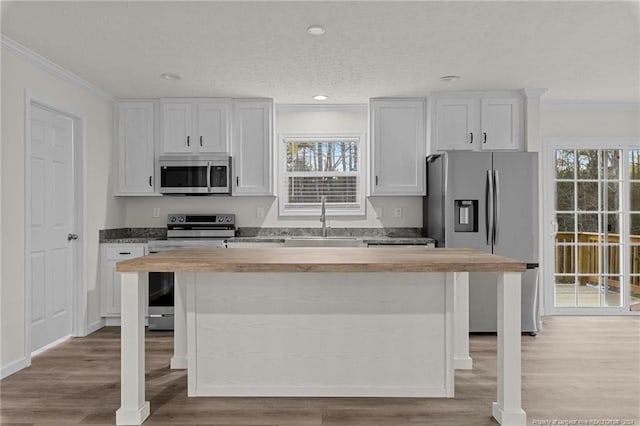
(201, 175)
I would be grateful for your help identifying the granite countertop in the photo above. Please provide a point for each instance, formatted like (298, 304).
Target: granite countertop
(321, 259)
(379, 236)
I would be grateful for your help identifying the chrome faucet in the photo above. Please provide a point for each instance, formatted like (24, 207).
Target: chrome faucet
(323, 215)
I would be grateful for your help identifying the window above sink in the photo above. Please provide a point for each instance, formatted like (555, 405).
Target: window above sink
(317, 165)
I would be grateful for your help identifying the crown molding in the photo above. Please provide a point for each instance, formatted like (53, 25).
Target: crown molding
(52, 68)
(563, 105)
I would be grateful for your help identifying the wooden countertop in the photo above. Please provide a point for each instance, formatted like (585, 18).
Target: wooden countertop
(321, 259)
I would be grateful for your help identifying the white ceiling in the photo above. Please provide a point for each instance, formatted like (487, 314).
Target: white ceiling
(578, 50)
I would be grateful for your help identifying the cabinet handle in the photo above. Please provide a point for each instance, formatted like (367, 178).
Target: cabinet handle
(376, 180)
(188, 143)
(150, 181)
(471, 137)
(125, 252)
(237, 180)
(200, 140)
(484, 134)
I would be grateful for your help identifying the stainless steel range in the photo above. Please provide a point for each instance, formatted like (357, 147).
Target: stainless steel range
(183, 231)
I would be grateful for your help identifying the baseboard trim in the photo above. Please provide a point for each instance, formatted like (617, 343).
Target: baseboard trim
(50, 345)
(14, 367)
(92, 328)
(319, 391)
(112, 321)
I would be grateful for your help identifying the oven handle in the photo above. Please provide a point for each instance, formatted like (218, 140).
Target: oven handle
(208, 176)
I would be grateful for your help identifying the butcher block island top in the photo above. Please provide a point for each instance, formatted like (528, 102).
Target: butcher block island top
(321, 259)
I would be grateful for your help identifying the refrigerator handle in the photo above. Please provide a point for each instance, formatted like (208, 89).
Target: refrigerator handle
(488, 206)
(496, 206)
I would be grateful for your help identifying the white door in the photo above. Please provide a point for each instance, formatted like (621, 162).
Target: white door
(51, 222)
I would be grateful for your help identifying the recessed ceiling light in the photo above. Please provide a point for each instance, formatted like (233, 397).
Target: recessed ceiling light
(320, 97)
(169, 76)
(450, 78)
(316, 30)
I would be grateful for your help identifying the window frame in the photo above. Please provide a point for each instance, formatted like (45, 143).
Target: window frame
(333, 209)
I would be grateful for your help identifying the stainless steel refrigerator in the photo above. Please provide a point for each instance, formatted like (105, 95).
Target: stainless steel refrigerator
(487, 201)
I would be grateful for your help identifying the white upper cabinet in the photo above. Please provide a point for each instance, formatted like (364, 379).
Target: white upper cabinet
(500, 123)
(192, 126)
(398, 146)
(457, 123)
(135, 148)
(213, 127)
(252, 149)
(478, 123)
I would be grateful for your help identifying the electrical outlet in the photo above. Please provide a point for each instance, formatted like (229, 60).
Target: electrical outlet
(156, 212)
(398, 212)
(260, 212)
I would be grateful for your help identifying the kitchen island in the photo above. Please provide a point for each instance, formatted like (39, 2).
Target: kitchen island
(319, 322)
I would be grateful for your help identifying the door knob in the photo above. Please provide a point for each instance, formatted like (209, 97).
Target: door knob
(72, 237)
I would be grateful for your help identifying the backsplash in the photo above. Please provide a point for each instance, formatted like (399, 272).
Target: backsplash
(349, 232)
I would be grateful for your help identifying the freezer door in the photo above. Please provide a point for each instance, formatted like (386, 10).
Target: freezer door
(467, 180)
(433, 202)
(516, 205)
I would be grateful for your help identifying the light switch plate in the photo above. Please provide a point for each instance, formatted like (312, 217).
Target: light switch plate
(156, 212)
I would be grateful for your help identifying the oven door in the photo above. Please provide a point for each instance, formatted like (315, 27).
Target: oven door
(161, 300)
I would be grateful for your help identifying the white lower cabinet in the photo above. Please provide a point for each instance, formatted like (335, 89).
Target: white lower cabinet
(110, 254)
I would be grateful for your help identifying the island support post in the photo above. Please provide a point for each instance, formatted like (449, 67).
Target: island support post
(133, 407)
(508, 409)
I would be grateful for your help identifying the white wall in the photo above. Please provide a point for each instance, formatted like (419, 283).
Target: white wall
(589, 120)
(289, 119)
(102, 209)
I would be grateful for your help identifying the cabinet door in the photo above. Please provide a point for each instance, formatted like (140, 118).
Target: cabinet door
(177, 125)
(135, 148)
(457, 124)
(110, 284)
(398, 140)
(213, 127)
(252, 147)
(500, 124)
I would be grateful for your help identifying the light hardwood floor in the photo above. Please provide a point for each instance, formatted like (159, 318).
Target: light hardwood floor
(577, 368)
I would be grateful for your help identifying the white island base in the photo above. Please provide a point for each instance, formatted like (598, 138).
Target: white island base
(319, 334)
(386, 334)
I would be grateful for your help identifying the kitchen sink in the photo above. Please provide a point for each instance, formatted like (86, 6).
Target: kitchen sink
(324, 242)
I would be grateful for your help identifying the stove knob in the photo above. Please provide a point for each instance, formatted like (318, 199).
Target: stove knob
(181, 219)
(219, 219)
(172, 219)
(228, 219)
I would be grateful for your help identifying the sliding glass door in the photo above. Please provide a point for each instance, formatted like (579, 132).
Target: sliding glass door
(594, 228)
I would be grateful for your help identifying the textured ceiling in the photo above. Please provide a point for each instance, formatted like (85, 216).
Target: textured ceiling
(578, 50)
